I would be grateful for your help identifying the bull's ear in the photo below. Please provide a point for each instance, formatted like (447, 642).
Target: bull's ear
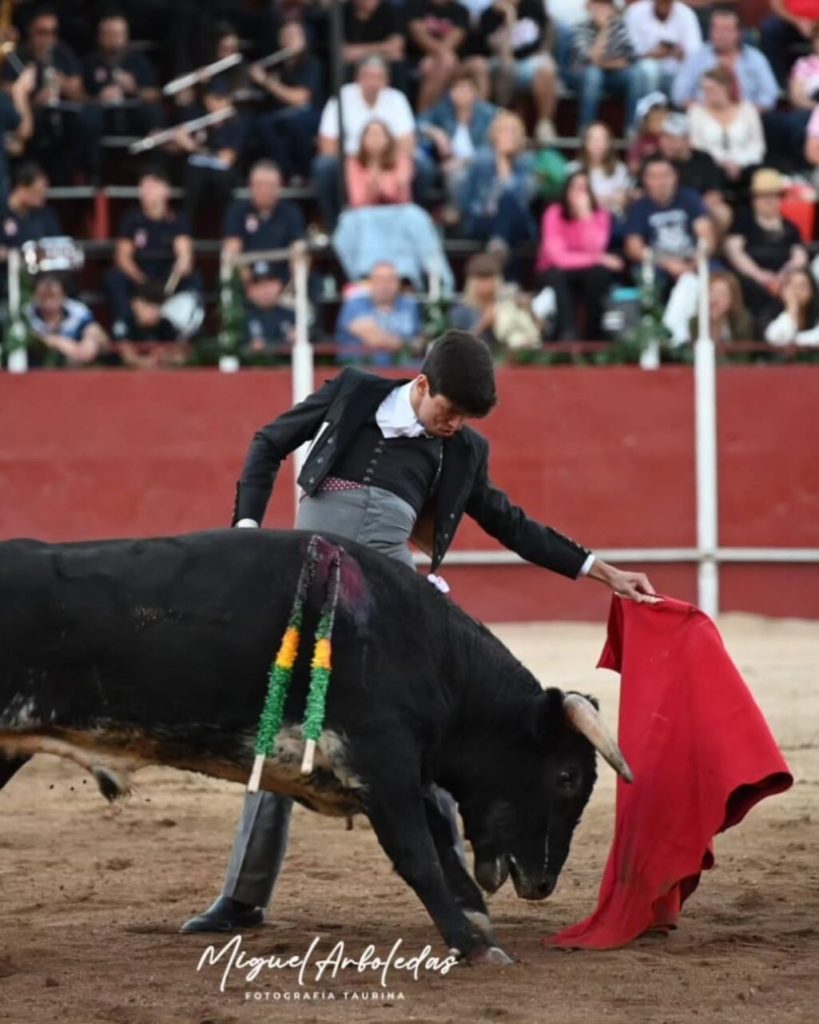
(549, 717)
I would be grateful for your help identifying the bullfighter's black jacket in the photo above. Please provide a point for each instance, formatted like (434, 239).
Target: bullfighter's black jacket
(330, 418)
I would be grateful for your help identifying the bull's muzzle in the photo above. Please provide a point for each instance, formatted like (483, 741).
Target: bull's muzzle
(535, 886)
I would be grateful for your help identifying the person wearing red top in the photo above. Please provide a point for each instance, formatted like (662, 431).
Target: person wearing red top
(573, 259)
(379, 174)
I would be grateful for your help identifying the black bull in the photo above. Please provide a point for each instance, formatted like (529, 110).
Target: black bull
(120, 654)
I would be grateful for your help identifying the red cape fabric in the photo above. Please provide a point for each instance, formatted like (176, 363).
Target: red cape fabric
(701, 753)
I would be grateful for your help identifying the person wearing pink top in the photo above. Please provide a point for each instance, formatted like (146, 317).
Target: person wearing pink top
(379, 174)
(573, 260)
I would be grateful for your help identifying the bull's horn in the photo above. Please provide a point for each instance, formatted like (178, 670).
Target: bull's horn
(583, 717)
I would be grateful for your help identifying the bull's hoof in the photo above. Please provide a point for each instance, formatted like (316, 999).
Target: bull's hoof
(487, 955)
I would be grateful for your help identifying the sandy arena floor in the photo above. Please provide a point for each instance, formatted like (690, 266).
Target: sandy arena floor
(92, 896)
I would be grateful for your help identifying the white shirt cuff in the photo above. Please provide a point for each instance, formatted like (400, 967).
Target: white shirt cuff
(247, 522)
(584, 568)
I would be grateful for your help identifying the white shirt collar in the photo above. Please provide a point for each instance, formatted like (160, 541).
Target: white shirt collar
(396, 416)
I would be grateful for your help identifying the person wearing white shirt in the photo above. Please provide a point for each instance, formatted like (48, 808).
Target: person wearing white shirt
(390, 461)
(663, 33)
(368, 98)
(798, 323)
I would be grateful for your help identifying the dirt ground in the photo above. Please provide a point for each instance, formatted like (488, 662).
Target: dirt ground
(92, 896)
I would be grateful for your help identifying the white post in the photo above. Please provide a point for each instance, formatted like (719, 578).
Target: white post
(228, 361)
(302, 357)
(650, 356)
(705, 406)
(16, 354)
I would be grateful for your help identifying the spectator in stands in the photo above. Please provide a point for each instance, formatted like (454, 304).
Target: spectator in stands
(666, 223)
(803, 90)
(696, 170)
(664, 34)
(755, 79)
(517, 35)
(16, 123)
(150, 339)
(798, 323)
(121, 83)
(62, 138)
(372, 29)
(812, 139)
(602, 62)
(153, 245)
(66, 330)
(379, 325)
(729, 130)
(436, 31)
(289, 124)
(785, 32)
(651, 113)
(477, 309)
(24, 216)
(608, 177)
(264, 222)
(495, 195)
(367, 99)
(728, 319)
(211, 156)
(149, 19)
(573, 258)
(454, 130)
(379, 174)
(763, 246)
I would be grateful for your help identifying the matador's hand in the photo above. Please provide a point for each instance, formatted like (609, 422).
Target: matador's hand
(635, 586)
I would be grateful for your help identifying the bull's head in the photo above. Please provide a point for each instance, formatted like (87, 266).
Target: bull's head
(521, 812)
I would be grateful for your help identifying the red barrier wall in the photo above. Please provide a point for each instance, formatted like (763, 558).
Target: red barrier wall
(604, 454)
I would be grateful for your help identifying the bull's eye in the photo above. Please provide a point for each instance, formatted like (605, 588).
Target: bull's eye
(565, 778)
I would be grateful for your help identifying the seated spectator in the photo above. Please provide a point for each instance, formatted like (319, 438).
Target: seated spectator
(755, 80)
(666, 224)
(785, 32)
(16, 123)
(379, 174)
(211, 156)
(608, 177)
(121, 83)
(798, 323)
(372, 29)
(455, 129)
(812, 139)
(651, 113)
(150, 339)
(379, 325)
(264, 222)
(290, 121)
(573, 260)
(154, 245)
(729, 320)
(764, 246)
(787, 129)
(482, 290)
(25, 215)
(696, 170)
(62, 138)
(436, 30)
(495, 195)
(367, 99)
(517, 35)
(729, 131)
(66, 331)
(410, 234)
(664, 34)
(602, 62)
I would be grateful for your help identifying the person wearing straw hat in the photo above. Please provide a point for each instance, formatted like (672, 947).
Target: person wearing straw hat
(390, 461)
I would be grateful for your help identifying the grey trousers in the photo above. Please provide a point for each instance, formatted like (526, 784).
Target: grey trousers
(383, 521)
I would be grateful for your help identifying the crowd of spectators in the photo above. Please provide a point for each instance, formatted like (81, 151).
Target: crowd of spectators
(453, 123)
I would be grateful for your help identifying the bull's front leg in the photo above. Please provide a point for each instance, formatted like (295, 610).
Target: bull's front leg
(397, 814)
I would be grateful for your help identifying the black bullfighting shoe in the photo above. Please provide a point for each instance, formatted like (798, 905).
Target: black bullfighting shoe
(225, 915)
